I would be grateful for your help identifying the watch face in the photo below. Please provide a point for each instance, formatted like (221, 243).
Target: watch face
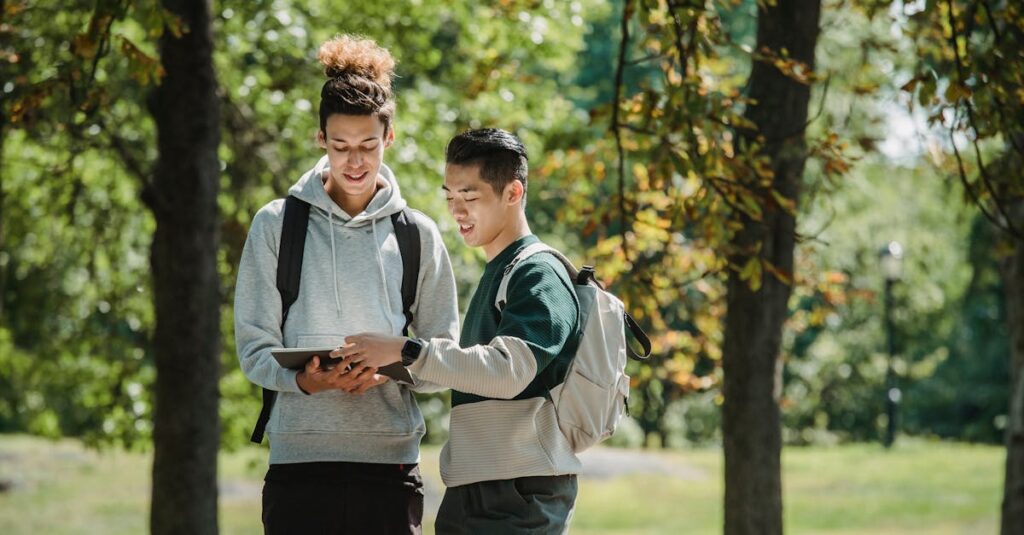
(411, 351)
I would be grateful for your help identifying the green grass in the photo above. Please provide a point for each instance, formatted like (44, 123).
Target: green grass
(918, 487)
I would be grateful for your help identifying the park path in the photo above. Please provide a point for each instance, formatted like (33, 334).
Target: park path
(598, 463)
(25, 463)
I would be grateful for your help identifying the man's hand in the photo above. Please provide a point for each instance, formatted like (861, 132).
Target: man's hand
(355, 380)
(367, 381)
(369, 349)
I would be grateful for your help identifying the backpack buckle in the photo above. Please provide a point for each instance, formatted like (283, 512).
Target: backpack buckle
(587, 275)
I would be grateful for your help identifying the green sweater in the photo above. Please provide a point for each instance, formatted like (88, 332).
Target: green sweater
(503, 424)
(542, 310)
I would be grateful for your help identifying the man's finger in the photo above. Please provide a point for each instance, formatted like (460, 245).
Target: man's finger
(349, 362)
(343, 350)
(376, 380)
(354, 339)
(365, 380)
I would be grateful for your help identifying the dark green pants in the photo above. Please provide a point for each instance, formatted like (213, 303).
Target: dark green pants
(542, 504)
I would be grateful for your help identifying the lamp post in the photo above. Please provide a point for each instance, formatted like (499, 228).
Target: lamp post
(891, 261)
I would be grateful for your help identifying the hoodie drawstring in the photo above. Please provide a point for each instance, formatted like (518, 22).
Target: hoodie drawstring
(386, 304)
(334, 261)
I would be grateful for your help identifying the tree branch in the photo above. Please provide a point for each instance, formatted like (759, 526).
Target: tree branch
(638, 130)
(627, 14)
(1014, 141)
(644, 59)
(982, 172)
(967, 183)
(684, 53)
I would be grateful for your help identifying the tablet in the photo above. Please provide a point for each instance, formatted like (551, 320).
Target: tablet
(295, 358)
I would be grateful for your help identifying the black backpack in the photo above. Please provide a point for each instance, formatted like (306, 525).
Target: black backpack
(289, 270)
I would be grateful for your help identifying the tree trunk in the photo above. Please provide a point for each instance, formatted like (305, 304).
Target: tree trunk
(1012, 273)
(3, 138)
(3, 264)
(183, 198)
(754, 319)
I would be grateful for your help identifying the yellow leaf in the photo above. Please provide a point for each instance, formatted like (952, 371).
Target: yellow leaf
(753, 209)
(956, 91)
(752, 273)
(787, 204)
(83, 46)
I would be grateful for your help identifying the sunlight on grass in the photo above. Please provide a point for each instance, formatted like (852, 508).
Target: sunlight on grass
(919, 487)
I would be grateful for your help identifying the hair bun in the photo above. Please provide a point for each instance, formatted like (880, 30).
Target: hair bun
(347, 54)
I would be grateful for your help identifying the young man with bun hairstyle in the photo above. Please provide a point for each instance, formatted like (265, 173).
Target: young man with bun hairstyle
(344, 444)
(508, 467)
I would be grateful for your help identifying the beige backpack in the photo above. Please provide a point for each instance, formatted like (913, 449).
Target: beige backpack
(592, 398)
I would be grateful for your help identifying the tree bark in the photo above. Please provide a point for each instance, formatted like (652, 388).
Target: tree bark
(3, 138)
(183, 198)
(754, 319)
(3, 200)
(1012, 272)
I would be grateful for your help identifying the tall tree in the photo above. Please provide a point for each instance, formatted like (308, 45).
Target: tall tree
(975, 51)
(183, 198)
(1012, 271)
(3, 137)
(787, 29)
(716, 168)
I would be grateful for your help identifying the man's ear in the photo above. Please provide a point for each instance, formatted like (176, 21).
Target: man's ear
(390, 137)
(321, 140)
(514, 192)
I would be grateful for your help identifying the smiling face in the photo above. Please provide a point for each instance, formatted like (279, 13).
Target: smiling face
(486, 218)
(355, 148)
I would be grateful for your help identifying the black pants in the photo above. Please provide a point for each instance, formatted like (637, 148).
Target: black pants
(337, 498)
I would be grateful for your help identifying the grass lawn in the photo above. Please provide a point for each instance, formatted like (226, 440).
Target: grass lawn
(918, 487)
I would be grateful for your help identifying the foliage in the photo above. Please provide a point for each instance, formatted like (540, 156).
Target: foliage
(661, 195)
(967, 396)
(645, 191)
(655, 217)
(75, 282)
(834, 380)
(76, 269)
(968, 81)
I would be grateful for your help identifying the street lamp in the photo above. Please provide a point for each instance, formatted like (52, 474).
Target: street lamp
(891, 261)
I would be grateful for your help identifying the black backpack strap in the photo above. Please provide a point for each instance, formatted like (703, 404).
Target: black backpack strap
(289, 271)
(290, 251)
(408, 236)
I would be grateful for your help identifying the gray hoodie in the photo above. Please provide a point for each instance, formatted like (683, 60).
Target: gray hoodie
(351, 283)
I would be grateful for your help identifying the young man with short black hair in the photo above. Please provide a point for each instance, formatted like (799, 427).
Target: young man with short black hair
(508, 467)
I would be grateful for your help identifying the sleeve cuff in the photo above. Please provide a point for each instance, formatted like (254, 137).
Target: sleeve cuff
(291, 382)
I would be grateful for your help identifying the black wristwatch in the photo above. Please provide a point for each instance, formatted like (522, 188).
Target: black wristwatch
(411, 351)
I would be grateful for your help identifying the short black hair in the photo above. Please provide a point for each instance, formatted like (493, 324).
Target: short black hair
(500, 154)
(355, 94)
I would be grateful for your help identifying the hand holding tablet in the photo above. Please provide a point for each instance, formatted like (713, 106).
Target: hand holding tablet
(295, 358)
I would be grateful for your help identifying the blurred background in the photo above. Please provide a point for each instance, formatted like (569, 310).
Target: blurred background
(814, 207)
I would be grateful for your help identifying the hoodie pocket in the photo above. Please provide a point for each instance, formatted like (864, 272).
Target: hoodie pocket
(383, 410)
